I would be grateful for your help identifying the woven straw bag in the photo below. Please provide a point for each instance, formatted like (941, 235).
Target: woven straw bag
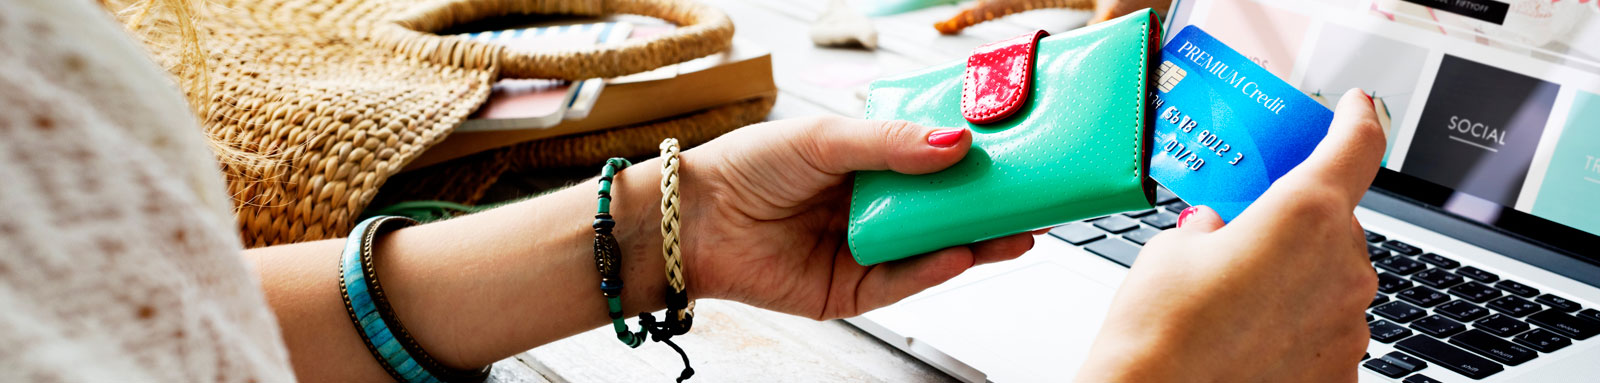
(340, 95)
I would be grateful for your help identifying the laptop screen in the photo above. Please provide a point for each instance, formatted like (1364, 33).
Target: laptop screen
(1494, 106)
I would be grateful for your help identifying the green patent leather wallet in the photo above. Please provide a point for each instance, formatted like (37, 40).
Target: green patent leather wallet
(1059, 135)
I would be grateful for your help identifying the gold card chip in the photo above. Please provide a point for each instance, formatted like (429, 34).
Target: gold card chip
(1169, 75)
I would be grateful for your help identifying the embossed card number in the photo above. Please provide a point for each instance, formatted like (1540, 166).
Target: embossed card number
(1205, 141)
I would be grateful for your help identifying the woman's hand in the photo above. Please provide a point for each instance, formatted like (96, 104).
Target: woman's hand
(763, 215)
(765, 210)
(1276, 295)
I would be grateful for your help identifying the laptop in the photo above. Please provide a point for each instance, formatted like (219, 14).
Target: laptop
(1483, 225)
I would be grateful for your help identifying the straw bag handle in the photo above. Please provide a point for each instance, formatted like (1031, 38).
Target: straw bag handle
(702, 31)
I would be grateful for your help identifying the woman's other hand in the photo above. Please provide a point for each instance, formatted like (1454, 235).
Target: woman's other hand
(765, 210)
(1276, 295)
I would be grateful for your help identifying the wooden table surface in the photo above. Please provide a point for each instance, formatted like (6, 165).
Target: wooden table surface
(733, 342)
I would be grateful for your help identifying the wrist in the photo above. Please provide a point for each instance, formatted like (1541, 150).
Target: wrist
(1134, 356)
(635, 206)
(644, 229)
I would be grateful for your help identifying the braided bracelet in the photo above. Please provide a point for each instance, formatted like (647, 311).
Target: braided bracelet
(374, 318)
(680, 310)
(608, 255)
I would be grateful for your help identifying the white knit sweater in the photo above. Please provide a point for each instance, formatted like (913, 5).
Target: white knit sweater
(118, 255)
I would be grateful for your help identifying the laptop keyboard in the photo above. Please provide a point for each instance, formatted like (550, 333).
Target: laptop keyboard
(1431, 310)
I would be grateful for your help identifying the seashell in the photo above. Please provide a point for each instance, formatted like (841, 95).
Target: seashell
(841, 26)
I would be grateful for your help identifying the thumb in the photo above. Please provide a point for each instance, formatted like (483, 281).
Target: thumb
(1346, 161)
(1199, 219)
(838, 146)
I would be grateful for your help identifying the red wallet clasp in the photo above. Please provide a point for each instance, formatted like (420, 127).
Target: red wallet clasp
(998, 78)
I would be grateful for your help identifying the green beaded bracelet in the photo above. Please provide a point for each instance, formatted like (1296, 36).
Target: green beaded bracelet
(608, 259)
(608, 255)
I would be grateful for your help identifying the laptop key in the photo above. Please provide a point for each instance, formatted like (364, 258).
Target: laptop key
(1450, 357)
(1141, 235)
(1385, 368)
(1139, 213)
(1376, 253)
(1420, 378)
(1514, 306)
(1478, 274)
(1177, 206)
(1116, 223)
(1400, 265)
(1116, 250)
(1590, 314)
(1438, 326)
(1390, 283)
(1399, 311)
(1369, 317)
(1558, 303)
(1518, 288)
(1500, 324)
(1543, 340)
(1163, 196)
(1437, 278)
(1377, 299)
(1461, 311)
(1423, 296)
(1161, 220)
(1401, 247)
(1493, 347)
(1374, 237)
(1439, 260)
(1565, 324)
(1077, 233)
(1408, 362)
(1475, 292)
(1387, 332)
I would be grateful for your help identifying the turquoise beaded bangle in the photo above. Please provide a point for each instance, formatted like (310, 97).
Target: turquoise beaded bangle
(374, 319)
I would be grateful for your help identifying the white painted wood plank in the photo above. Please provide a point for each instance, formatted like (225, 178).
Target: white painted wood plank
(790, 106)
(825, 76)
(834, 77)
(912, 34)
(732, 342)
(513, 370)
(846, 344)
(1053, 20)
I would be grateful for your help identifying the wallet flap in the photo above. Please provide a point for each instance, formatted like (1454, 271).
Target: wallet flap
(998, 78)
(1075, 147)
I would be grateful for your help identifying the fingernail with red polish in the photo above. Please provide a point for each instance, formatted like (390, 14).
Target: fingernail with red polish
(1369, 98)
(945, 138)
(1184, 216)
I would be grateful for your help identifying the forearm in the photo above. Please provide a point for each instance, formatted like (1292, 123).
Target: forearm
(474, 289)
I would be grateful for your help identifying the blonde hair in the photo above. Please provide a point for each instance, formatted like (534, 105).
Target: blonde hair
(168, 28)
(172, 34)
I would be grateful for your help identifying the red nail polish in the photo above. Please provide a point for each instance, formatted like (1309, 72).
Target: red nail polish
(945, 138)
(1369, 98)
(1184, 216)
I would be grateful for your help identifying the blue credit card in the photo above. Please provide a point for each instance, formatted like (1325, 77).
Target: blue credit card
(1225, 128)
